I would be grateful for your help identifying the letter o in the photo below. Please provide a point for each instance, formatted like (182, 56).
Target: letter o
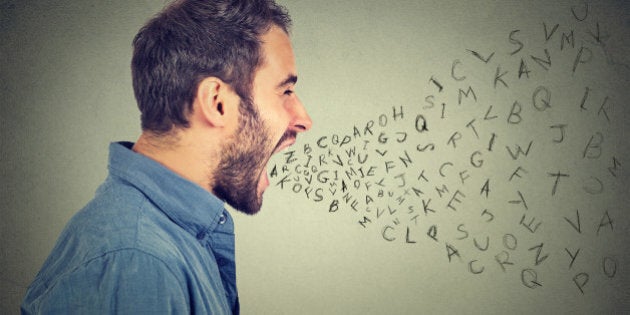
(297, 187)
(382, 120)
(506, 244)
(609, 266)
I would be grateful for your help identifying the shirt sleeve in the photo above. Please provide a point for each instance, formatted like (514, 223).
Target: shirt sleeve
(121, 282)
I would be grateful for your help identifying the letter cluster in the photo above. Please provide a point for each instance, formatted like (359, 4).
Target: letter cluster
(506, 164)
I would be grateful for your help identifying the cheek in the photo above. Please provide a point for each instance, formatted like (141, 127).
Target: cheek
(273, 112)
(277, 122)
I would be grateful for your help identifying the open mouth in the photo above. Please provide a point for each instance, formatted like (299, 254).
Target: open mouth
(287, 140)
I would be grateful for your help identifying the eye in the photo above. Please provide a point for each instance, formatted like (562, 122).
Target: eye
(288, 92)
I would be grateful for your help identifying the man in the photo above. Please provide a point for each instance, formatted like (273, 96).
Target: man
(214, 81)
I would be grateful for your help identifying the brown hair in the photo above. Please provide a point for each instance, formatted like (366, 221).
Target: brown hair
(194, 39)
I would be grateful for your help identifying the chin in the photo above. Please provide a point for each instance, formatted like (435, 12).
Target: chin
(250, 206)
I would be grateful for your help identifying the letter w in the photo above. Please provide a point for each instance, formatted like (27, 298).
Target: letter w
(519, 150)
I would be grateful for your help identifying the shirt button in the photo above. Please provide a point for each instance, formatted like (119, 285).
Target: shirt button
(222, 218)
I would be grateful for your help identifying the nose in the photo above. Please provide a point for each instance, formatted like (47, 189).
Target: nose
(301, 121)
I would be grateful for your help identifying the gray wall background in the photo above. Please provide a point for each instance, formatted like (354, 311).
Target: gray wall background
(447, 204)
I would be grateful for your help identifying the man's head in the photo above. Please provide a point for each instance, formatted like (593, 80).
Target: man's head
(221, 74)
(194, 39)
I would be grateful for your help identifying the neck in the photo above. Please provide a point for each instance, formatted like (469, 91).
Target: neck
(178, 152)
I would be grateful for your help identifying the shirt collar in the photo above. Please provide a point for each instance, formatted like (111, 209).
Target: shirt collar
(186, 203)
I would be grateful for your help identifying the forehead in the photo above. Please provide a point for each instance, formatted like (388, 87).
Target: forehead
(278, 58)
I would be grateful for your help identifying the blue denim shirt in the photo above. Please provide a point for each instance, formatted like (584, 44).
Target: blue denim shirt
(150, 242)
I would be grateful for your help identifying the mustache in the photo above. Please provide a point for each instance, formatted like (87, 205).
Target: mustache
(289, 134)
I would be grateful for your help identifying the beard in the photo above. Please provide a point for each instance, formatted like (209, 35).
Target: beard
(243, 160)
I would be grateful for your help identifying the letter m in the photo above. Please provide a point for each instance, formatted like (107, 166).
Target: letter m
(466, 93)
(365, 221)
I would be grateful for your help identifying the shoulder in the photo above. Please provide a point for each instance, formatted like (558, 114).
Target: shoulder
(119, 222)
(119, 249)
(126, 280)
(122, 250)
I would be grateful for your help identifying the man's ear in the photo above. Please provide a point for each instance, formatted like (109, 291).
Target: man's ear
(213, 95)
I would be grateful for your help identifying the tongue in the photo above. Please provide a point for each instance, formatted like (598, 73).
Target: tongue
(265, 178)
(263, 182)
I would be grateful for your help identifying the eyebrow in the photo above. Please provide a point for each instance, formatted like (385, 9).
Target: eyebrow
(291, 79)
